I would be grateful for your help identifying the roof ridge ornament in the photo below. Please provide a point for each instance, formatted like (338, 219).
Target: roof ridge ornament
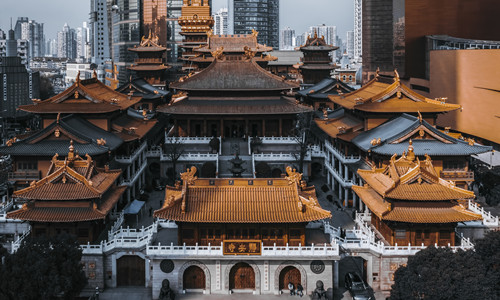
(396, 76)
(293, 175)
(189, 177)
(419, 117)
(410, 155)
(255, 33)
(77, 79)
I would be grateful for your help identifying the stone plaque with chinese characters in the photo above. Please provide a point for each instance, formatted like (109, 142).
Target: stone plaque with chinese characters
(242, 247)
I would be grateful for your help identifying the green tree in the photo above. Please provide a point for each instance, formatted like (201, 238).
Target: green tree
(43, 268)
(488, 251)
(441, 274)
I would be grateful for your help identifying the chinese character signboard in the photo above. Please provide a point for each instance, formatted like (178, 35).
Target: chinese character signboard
(242, 247)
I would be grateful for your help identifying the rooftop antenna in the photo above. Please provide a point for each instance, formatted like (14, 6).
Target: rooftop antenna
(10, 23)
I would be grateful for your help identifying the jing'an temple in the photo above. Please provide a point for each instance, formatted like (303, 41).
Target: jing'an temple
(212, 175)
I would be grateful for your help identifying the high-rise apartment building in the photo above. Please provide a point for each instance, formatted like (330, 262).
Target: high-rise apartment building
(17, 27)
(2, 35)
(287, 39)
(358, 30)
(32, 32)
(221, 20)
(66, 42)
(328, 32)
(83, 42)
(100, 35)
(21, 48)
(260, 15)
(349, 44)
(18, 85)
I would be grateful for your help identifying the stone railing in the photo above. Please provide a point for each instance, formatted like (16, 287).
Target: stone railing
(17, 243)
(316, 151)
(130, 158)
(278, 140)
(339, 155)
(154, 151)
(131, 181)
(338, 177)
(275, 251)
(363, 238)
(6, 206)
(278, 157)
(195, 157)
(117, 225)
(489, 220)
(189, 140)
(19, 175)
(133, 232)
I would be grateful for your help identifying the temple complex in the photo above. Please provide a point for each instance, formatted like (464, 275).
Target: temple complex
(411, 204)
(96, 119)
(150, 63)
(372, 123)
(196, 24)
(233, 47)
(317, 61)
(317, 95)
(75, 196)
(244, 218)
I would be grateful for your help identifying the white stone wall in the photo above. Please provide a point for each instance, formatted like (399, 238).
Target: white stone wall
(217, 274)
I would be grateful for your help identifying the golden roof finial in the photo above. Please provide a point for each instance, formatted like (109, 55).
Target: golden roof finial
(315, 34)
(71, 153)
(77, 79)
(293, 175)
(410, 155)
(396, 76)
(94, 74)
(58, 117)
(377, 72)
(255, 33)
(188, 176)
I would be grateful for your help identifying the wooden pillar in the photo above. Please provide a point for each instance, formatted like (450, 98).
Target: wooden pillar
(280, 126)
(263, 127)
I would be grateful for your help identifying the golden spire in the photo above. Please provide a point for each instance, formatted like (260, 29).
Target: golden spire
(410, 155)
(71, 153)
(396, 76)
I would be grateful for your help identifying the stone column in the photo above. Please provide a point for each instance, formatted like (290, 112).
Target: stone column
(336, 274)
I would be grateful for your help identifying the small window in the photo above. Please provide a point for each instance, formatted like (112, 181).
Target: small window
(400, 234)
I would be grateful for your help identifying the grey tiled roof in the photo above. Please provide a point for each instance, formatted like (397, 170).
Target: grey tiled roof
(75, 125)
(398, 127)
(323, 88)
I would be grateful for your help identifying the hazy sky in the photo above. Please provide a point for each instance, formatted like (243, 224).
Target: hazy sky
(298, 14)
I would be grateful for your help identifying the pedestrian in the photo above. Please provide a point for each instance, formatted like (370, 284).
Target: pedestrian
(150, 211)
(291, 287)
(300, 290)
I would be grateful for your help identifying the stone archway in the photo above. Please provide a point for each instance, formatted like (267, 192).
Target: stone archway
(199, 264)
(255, 268)
(303, 275)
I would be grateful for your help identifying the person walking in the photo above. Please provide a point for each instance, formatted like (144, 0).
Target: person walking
(291, 287)
(300, 290)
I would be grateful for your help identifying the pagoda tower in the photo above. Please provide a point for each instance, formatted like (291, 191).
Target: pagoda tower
(150, 63)
(317, 63)
(195, 22)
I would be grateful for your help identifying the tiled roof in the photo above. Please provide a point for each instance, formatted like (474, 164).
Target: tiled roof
(234, 75)
(142, 88)
(233, 43)
(379, 96)
(395, 134)
(412, 212)
(84, 96)
(68, 211)
(84, 134)
(74, 178)
(129, 128)
(241, 200)
(327, 86)
(234, 106)
(408, 178)
(315, 43)
(339, 126)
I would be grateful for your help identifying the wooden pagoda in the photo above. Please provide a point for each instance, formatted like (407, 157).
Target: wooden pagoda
(317, 62)
(75, 197)
(411, 204)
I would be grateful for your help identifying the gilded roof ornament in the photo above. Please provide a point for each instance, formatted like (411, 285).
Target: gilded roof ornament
(255, 33)
(209, 34)
(249, 54)
(189, 177)
(410, 155)
(419, 117)
(219, 53)
(57, 133)
(94, 74)
(293, 175)
(396, 76)
(71, 153)
(77, 79)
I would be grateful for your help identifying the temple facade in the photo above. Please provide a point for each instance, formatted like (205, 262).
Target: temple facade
(273, 214)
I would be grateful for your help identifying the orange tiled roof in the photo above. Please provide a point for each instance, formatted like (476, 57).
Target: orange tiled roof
(74, 178)
(68, 211)
(129, 128)
(84, 96)
(340, 126)
(241, 200)
(413, 212)
(379, 96)
(408, 178)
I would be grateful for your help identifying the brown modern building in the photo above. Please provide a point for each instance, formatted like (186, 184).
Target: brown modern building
(384, 21)
(154, 19)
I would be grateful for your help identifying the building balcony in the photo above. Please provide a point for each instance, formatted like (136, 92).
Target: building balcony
(457, 175)
(128, 159)
(341, 156)
(24, 175)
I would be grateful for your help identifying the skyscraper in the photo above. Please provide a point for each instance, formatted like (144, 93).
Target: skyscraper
(154, 19)
(82, 42)
(287, 38)
(66, 42)
(329, 32)
(17, 28)
(32, 32)
(358, 32)
(260, 15)
(221, 20)
(100, 33)
(350, 43)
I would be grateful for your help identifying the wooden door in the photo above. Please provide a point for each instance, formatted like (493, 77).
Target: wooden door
(287, 275)
(194, 278)
(130, 271)
(242, 277)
